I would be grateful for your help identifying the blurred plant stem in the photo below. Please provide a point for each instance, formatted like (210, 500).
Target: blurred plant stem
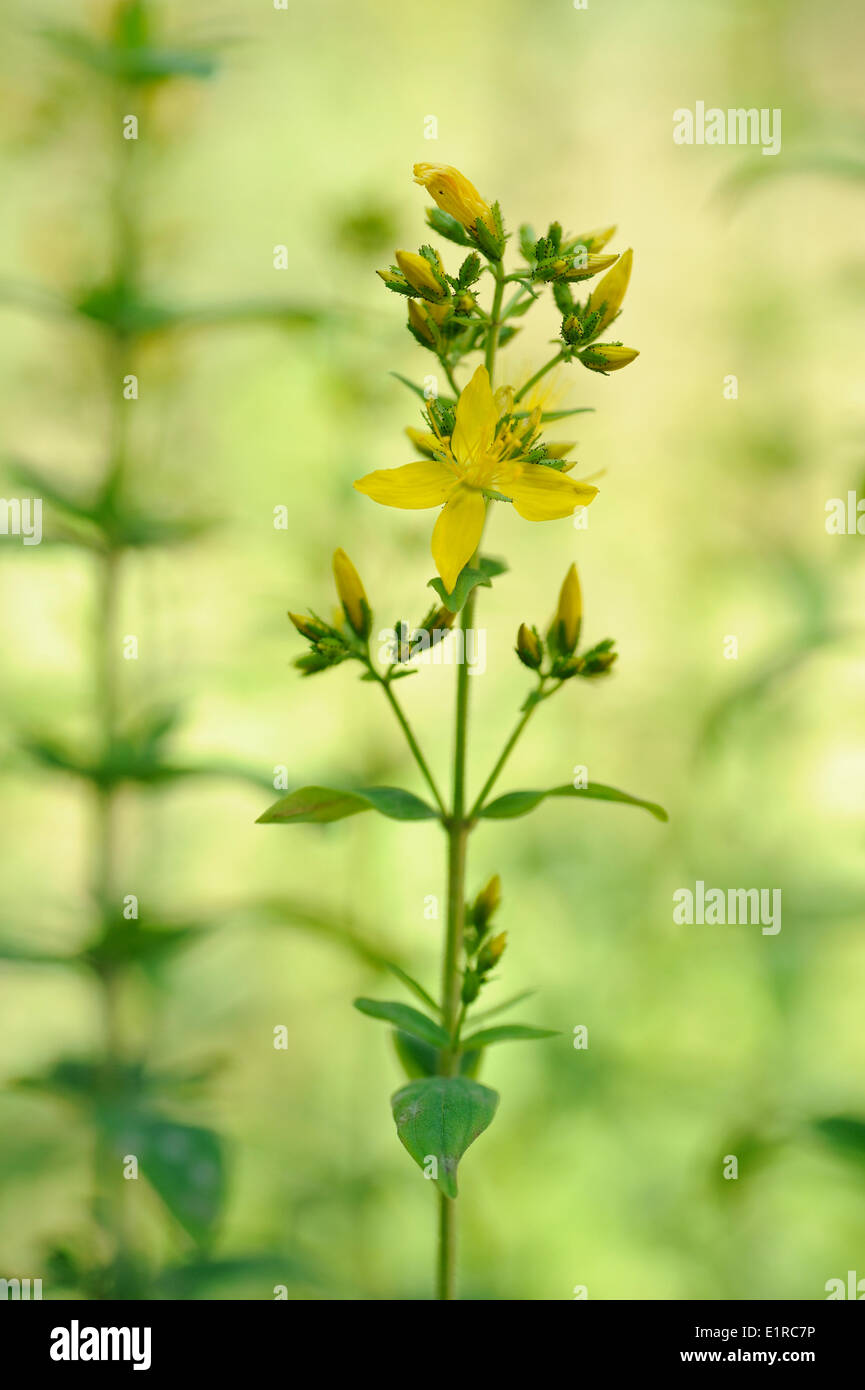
(109, 1203)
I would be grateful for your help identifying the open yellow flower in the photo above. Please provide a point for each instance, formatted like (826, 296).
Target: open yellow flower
(474, 463)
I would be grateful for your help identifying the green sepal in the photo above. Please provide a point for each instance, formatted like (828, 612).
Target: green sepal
(469, 578)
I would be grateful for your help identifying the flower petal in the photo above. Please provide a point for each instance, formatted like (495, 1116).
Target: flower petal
(475, 420)
(457, 532)
(414, 486)
(542, 494)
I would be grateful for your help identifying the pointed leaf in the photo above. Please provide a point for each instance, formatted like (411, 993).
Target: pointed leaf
(505, 1004)
(520, 803)
(405, 1017)
(469, 578)
(318, 804)
(439, 1117)
(414, 985)
(507, 1032)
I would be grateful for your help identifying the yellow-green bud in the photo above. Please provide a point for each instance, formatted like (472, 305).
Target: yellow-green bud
(420, 275)
(565, 629)
(419, 321)
(351, 594)
(492, 952)
(608, 357)
(311, 628)
(529, 648)
(606, 298)
(486, 902)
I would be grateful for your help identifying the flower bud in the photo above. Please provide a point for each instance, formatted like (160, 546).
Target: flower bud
(425, 442)
(606, 298)
(351, 594)
(607, 357)
(419, 322)
(455, 195)
(420, 274)
(471, 986)
(311, 628)
(396, 282)
(490, 954)
(529, 648)
(565, 630)
(486, 902)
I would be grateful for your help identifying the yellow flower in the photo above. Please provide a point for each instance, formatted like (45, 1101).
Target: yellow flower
(351, 593)
(608, 357)
(606, 298)
(476, 461)
(419, 273)
(454, 194)
(426, 443)
(569, 614)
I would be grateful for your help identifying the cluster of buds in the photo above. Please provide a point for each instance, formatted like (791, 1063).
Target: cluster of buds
(582, 324)
(555, 657)
(409, 643)
(483, 952)
(348, 635)
(441, 306)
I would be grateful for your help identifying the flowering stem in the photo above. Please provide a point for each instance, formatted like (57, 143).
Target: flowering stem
(495, 318)
(410, 739)
(507, 750)
(542, 371)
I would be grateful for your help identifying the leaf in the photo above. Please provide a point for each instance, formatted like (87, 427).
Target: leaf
(845, 1133)
(439, 1117)
(185, 1166)
(507, 1032)
(520, 803)
(319, 804)
(422, 1059)
(505, 1004)
(414, 985)
(405, 1017)
(469, 578)
(418, 390)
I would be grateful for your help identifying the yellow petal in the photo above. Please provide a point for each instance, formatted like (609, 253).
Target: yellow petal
(414, 486)
(476, 419)
(457, 532)
(542, 494)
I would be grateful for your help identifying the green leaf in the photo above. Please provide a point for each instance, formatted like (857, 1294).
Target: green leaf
(520, 803)
(418, 390)
(319, 804)
(422, 1059)
(439, 1117)
(405, 1017)
(507, 1032)
(414, 985)
(469, 578)
(845, 1134)
(185, 1166)
(447, 226)
(505, 1004)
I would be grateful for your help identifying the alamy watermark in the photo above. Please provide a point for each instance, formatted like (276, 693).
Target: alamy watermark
(735, 126)
(21, 516)
(712, 907)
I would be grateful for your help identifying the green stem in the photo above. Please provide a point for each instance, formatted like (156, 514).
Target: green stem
(410, 739)
(542, 371)
(495, 319)
(506, 752)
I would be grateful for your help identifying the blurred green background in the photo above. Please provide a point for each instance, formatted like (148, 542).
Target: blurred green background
(603, 1167)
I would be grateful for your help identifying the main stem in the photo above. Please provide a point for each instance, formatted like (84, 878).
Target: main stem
(458, 832)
